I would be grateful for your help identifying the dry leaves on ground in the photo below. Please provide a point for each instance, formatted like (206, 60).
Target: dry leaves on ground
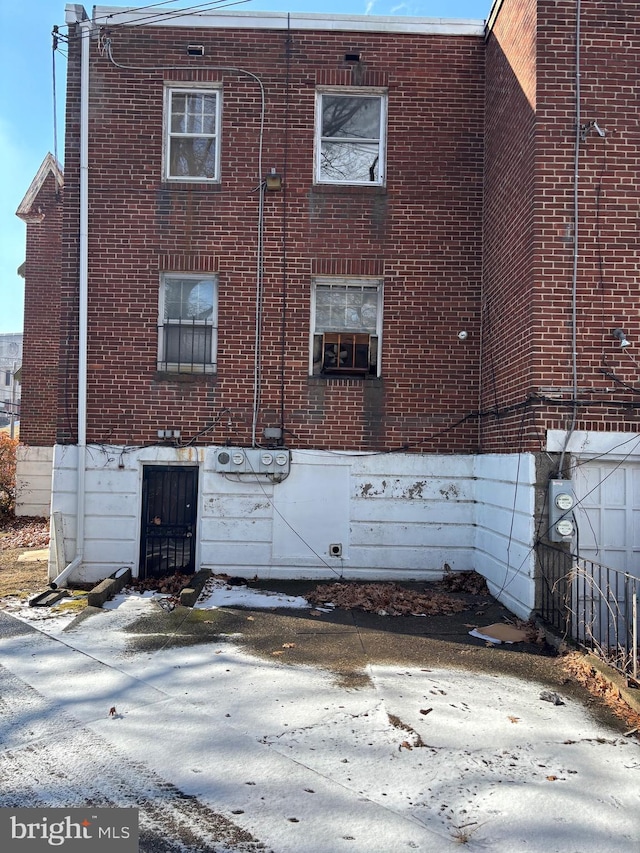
(16, 536)
(23, 532)
(470, 582)
(599, 686)
(386, 599)
(167, 584)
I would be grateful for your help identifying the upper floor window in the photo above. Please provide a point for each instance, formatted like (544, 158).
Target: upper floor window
(350, 137)
(188, 324)
(192, 142)
(346, 326)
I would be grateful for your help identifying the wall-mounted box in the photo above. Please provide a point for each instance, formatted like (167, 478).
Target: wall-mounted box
(252, 460)
(562, 526)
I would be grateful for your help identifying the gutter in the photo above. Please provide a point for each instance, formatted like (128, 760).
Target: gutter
(78, 15)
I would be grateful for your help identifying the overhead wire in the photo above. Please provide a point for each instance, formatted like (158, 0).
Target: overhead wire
(494, 411)
(285, 165)
(506, 582)
(257, 360)
(578, 503)
(169, 15)
(291, 528)
(149, 20)
(106, 47)
(611, 375)
(54, 95)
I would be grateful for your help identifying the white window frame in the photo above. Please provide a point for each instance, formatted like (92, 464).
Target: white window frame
(351, 92)
(187, 367)
(358, 283)
(201, 89)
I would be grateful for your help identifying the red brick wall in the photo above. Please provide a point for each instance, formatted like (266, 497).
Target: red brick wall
(422, 233)
(540, 368)
(509, 289)
(42, 318)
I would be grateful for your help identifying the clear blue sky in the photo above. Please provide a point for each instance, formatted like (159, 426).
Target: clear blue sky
(26, 100)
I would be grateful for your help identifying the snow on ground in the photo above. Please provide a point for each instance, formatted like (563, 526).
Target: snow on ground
(422, 759)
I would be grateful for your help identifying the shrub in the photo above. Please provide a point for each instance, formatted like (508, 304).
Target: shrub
(7, 473)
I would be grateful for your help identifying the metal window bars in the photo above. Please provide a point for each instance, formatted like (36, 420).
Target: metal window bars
(186, 346)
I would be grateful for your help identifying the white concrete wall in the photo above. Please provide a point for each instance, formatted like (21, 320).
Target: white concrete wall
(395, 516)
(504, 532)
(113, 490)
(33, 480)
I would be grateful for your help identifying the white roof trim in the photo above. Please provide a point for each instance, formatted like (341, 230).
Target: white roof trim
(587, 443)
(116, 15)
(49, 165)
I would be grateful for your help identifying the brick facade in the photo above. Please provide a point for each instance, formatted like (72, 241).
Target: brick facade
(529, 281)
(473, 230)
(421, 234)
(42, 212)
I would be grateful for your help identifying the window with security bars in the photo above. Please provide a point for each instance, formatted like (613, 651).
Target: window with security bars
(187, 326)
(192, 134)
(346, 327)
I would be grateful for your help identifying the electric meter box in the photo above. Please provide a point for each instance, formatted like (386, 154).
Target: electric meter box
(562, 525)
(253, 460)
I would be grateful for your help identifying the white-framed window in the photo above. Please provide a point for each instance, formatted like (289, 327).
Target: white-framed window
(350, 136)
(188, 323)
(192, 134)
(346, 327)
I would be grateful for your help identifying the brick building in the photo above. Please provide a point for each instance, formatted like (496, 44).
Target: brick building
(41, 211)
(337, 294)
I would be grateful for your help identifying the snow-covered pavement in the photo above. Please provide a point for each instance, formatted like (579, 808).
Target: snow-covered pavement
(252, 751)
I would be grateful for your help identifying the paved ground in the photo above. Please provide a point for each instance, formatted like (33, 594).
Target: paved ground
(347, 641)
(204, 790)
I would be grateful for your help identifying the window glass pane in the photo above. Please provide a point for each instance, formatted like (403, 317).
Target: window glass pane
(201, 114)
(189, 157)
(355, 116)
(178, 113)
(188, 344)
(323, 308)
(188, 299)
(350, 161)
(193, 113)
(352, 308)
(369, 312)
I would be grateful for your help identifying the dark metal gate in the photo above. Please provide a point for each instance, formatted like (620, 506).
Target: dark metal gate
(169, 501)
(596, 606)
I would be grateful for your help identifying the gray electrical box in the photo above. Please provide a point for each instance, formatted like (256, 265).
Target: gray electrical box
(562, 525)
(253, 460)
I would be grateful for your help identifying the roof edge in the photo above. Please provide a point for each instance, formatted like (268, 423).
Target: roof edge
(49, 166)
(124, 16)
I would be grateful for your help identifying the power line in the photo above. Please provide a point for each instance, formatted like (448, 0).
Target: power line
(105, 21)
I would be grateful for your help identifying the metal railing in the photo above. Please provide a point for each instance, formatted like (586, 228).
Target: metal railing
(593, 605)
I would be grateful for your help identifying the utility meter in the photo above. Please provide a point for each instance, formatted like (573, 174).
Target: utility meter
(561, 503)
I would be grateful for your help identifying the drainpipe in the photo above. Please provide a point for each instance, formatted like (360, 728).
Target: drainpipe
(85, 42)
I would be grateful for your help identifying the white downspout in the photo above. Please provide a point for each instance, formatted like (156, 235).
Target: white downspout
(83, 290)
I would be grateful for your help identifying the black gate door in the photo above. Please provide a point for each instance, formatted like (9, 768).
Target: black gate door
(169, 500)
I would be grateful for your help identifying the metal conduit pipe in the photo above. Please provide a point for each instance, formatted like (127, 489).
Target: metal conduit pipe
(85, 27)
